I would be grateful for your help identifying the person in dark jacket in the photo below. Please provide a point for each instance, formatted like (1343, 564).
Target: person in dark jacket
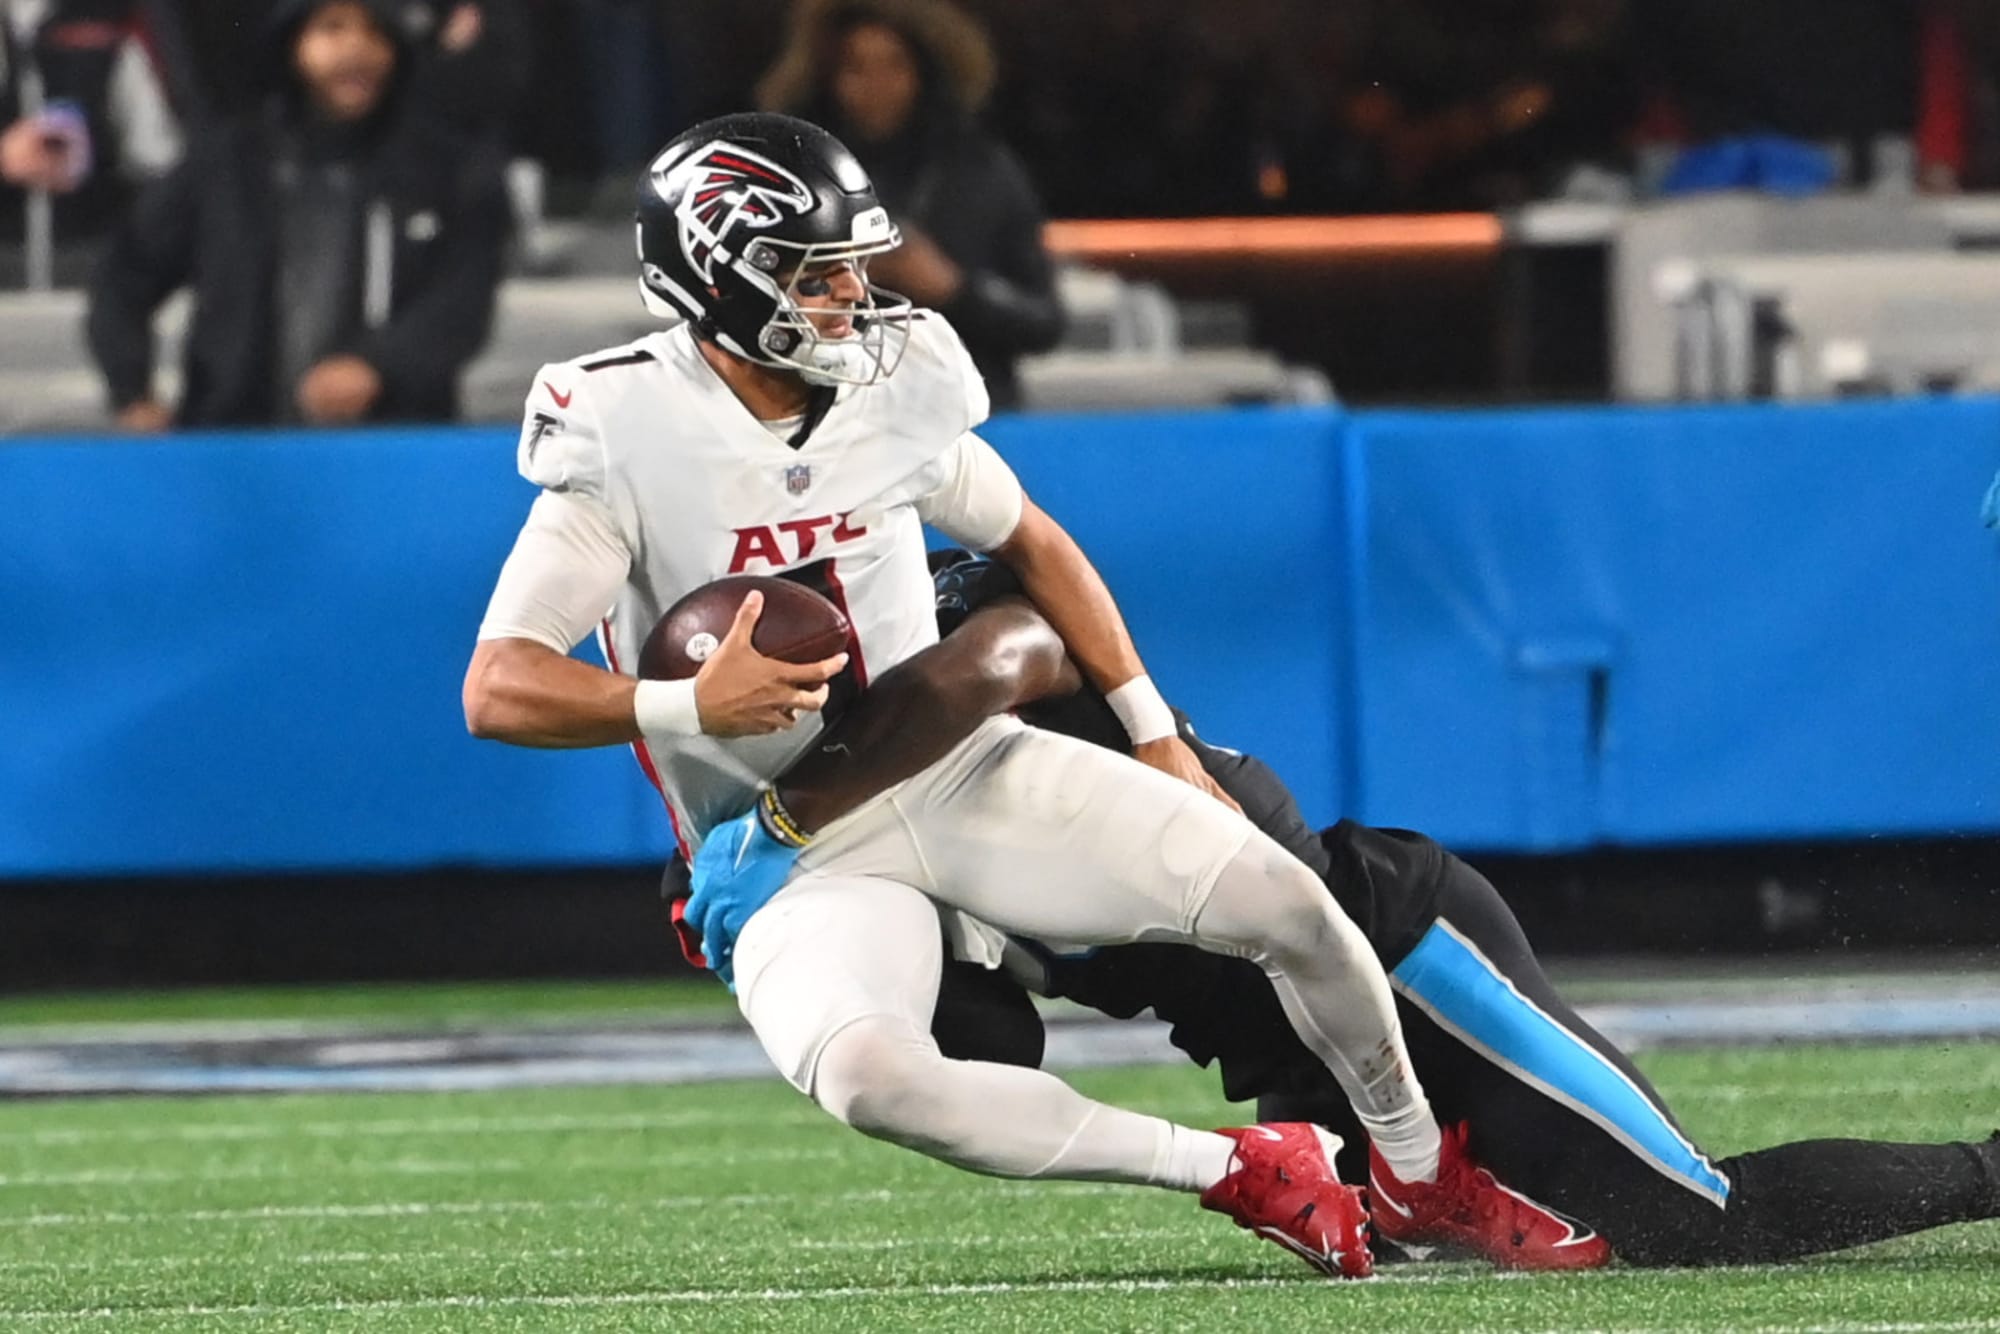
(84, 115)
(344, 253)
(901, 82)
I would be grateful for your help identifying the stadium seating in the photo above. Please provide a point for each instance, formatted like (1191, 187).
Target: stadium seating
(1124, 349)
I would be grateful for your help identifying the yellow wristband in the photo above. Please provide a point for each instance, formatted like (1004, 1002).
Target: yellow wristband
(778, 821)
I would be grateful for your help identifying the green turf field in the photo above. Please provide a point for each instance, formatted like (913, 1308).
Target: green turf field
(738, 1206)
(409, 1006)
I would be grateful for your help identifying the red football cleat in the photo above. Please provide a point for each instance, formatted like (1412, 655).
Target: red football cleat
(1465, 1207)
(1282, 1187)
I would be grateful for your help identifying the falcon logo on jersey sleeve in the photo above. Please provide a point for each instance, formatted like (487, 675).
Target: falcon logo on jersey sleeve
(540, 427)
(727, 186)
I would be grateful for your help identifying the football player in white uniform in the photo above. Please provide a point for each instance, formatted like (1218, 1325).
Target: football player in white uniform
(800, 422)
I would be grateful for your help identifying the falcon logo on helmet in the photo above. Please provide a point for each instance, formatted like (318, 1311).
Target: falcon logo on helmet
(742, 219)
(727, 187)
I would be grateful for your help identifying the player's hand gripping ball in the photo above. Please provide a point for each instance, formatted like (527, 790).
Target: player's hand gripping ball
(797, 626)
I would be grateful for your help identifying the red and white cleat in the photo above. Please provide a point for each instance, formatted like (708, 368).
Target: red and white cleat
(1465, 1207)
(1282, 1187)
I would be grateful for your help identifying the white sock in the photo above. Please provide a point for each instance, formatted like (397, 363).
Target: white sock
(1195, 1159)
(889, 1080)
(1408, 1141)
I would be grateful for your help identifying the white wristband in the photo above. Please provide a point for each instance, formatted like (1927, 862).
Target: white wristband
(666, 708)
(1139, 707)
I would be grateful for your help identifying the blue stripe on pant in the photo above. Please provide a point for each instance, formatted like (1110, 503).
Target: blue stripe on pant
(1448, 978)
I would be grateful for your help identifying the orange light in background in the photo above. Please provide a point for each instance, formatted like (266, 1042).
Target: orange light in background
(1272, 181)
(1161, 238)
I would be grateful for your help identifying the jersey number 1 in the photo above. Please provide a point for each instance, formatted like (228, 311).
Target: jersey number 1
(853, 678)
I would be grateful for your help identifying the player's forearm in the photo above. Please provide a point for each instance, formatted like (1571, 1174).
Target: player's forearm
(1005, 655)
(527, 694)
(1067, 588)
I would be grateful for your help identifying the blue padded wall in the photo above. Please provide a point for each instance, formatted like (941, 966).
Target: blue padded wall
(237, 652)
(1653, 625)
(1521, 630)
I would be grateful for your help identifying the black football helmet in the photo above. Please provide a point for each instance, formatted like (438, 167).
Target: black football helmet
(734, 211)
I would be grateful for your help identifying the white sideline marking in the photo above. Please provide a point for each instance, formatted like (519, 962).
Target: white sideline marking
(458, 1126)
(406, 1209)
(687, 1244)
(420, 1208)
(412, 1167)
(1928, 1090)
(665, 1297)
(410, 1126)
(710, 1296)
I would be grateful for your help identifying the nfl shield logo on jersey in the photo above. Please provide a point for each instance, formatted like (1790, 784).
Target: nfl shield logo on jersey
(798, 477)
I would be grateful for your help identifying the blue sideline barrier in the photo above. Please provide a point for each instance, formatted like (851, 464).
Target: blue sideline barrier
(1202, 526)
(236, 652)
(246, 653)
(1516, 630)
(1665, 625)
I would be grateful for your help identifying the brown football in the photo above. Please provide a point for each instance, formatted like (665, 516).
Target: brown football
(796, 625)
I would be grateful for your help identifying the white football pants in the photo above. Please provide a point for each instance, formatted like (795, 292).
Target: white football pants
(1053, 839)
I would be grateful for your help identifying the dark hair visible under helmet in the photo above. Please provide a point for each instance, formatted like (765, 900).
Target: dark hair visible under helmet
(733, 211)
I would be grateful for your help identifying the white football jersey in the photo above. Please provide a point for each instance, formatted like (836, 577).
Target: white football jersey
(699, 489)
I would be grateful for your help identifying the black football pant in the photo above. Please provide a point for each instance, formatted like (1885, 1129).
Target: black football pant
(1555, 1109)
(1563, 1116)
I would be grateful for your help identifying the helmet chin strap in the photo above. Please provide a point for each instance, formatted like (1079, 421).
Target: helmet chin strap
(834, 363)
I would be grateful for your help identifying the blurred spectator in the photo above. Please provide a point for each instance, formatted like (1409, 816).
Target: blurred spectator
(85, 114)
(1958, 95)
(716, 52)
(474, 63)
(901, 82)
(344, 252)
(211, 51)
(1242, 106)
(474, 58)
(1454, 106)
(629, 94)
(1166, 121)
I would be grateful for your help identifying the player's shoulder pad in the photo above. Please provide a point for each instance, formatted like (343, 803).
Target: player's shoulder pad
(596, 370)
(571, 406)
(937, 358)
(560, 448)
(595, 367)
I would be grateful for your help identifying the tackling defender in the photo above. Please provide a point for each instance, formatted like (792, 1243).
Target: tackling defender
(767, 434)
(1549, 1102)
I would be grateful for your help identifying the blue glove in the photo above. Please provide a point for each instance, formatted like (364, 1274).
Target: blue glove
(1990, 511)
(738, 870)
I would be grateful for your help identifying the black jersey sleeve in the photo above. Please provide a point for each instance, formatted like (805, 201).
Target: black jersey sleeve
(1265, 800)
(964, 583)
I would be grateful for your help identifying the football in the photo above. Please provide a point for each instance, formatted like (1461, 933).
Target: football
(796, 625)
